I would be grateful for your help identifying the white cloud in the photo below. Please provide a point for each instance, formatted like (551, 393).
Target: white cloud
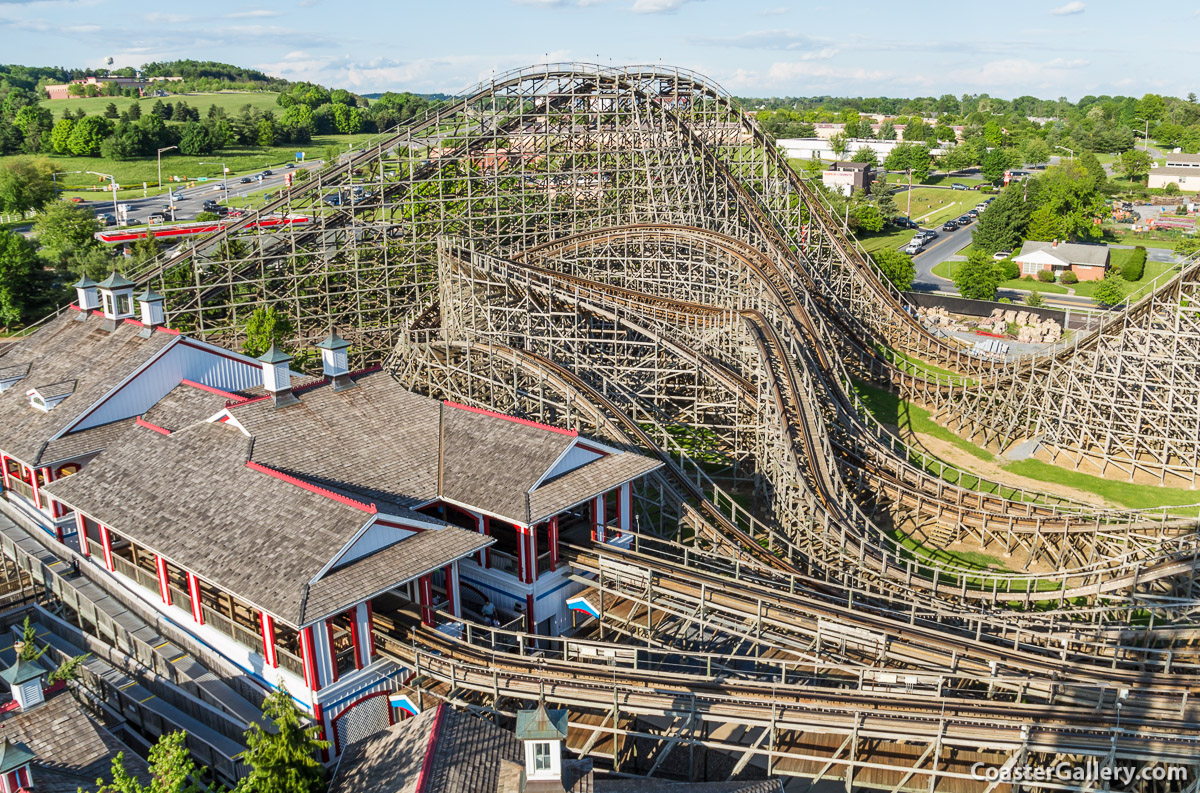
(794, 70)
(1021, 72)
(1073, 7)
(253, 14)
(658, 6)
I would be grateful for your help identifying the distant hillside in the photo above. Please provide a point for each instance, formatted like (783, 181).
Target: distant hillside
(430, 97)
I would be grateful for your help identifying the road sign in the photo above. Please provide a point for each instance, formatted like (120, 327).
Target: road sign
(299, 155)
(201, 178)
(287, 180)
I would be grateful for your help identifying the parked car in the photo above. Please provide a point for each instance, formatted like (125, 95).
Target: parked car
(210, 205)
(914, 247)
(904, 223)
(927, 233)
(157, 217)
(267, 172)
(972, 213)
(998, 255)
(965, 220)
(106, 219)
(950, 225)
(245, 180)
(982, 205)
(77, 200)
(958, 186)
(290, 165)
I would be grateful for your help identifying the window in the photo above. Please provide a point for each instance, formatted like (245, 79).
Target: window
(124, 304)
(541, 757)
(345, 653)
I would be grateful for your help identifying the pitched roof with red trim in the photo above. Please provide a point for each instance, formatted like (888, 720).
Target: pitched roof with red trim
(191, 498)
(96, 360)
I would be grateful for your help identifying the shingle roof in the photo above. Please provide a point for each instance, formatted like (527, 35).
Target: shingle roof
(184, 405)
(1070, 252)
(72, 749)
(487, 461)
(557, 494)
(1172, 170)
(368, 576)
(84, 442)
(467, 751)
(491, 463)
(66, 349)
(1181, 158)
(190, 497)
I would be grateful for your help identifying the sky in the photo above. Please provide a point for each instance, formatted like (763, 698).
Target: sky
(1006, 48)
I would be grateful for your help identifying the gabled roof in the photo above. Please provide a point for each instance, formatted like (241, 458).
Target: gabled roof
(1066, 252)
(14, 756)
(22, 672)
(66, 349)
(194, 498)
(186, 404)
(420, 450)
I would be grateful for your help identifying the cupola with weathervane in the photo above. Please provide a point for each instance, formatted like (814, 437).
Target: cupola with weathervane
(151, 306)
(335, 361)
(116, 299)
(543, 732)
(87, 296)
(277, 376)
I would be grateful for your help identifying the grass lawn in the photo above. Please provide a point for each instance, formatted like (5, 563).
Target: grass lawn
(1137, 288)
(1125, 493)
(893, 239)
(891, 409)
(943, 204)
(241, 160)
(231, 101)
(944, 269)
(1144, 239)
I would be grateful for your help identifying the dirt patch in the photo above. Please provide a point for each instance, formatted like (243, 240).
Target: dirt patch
(969, 462)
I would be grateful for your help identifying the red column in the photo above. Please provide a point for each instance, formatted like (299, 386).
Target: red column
(194, 594)
(530, 622)
(37, 500)
(425, 595)
(81, 533)
(4, 458)
(106, 544)
(554, 543)
(522, 553)
(332, 651)
(533, 554)
(163, 589)
(311, 678)
(355, 638)
(451, 600)
(268, 637)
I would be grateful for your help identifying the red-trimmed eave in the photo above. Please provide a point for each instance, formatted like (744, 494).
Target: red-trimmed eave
(227, 394)
(141, 422)
(292, 480)
(506, 417)
(427, 764)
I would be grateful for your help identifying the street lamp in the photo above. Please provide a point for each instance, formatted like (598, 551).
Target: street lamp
(224, 177)
(1146, 135)
(54, 178)
(113, 181)
(1064, 148)
(160, 151)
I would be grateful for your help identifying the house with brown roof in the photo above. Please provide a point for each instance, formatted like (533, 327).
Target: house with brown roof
(74, 386)
(297, 526)
(1088, 262)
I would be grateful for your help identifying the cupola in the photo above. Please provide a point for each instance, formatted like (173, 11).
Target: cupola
(150, 304)
(24, 678)
(86, 296)
(116, 299)
(15, 760)
(277, 377)
(335, 361)
(543, 732)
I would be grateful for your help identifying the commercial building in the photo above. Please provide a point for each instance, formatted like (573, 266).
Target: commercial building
(1181, 169)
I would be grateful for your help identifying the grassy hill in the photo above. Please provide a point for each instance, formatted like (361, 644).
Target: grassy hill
(232, 101)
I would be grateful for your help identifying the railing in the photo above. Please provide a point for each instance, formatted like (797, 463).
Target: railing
(344, 660)
(95, 549)
(233, 630)
(132, 571)
(543, 562)
(26, 490)
(505, 563)
(291, 663)
(180, 598)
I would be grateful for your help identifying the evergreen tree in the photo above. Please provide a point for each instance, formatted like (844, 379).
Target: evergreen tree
(978, 277)
(24, 284)
(172, 770)
(284, 761)
(265, 327)
(1110, 291)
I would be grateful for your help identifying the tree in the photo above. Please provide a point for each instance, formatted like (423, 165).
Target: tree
(1002, 227)
(887, 131)
(1132, 269)
(266, 133)
(265, 327)
(65, 233)
(60, 135)
(172, 770)
(195, 140)
(29, 648)
(1045, 225)
(284, 761)
(978, 277)
(25, 184)
(867, 217)
(1034, 299)
(1134, 162)
(839, 144)
(88, 135)
(22, 279)
(910, 157)
(135, 111)
(866, 154)
(110, 111)
(896, 267)
(35, 124)
(993, 164)
(348, 120)
(1110, 291)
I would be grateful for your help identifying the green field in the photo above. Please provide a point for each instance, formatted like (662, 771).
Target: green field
(944, 204)
(1134, 289)
(891, 238)
(131, 173)
(231, 101)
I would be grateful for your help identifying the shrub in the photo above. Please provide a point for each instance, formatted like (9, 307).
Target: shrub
(1034, 299)
(1045, 276)
(1011, 269)
(1005, 300)
(1027, 278)
(1171, 189)
(1132, 270)
(1069, 277)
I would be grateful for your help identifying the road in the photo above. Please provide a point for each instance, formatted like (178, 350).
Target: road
(946, 245)
(189, 201)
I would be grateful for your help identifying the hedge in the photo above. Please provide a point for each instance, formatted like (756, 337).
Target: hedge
(1132, 269)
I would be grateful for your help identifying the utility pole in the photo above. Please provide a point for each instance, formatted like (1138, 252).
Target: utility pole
(160, 151)
(1145, 135)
